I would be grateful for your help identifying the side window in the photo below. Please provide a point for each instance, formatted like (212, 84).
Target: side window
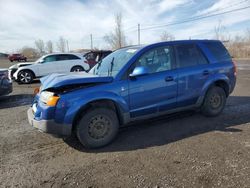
(64, 57)
(189, 55)
(72, 57)
(157, 60)
(49, 59)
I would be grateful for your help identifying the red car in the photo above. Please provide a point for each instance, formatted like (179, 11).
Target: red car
(17, 57)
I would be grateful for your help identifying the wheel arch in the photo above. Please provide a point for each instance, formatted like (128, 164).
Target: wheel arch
(107, 103)
(27, 69)
(222, 82)
(77, 66)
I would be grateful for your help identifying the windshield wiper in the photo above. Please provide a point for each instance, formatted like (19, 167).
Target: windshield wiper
(98, 66)
(111, 66)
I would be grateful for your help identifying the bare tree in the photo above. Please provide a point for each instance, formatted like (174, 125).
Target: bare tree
(219, 31)
(49, 46)
(61, 44)
(248, 35)
(165, 36)
(29, 52)
(116, 39)
(40, 46)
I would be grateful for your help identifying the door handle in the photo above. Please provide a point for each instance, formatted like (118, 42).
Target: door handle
(169, 79)
(205, 72)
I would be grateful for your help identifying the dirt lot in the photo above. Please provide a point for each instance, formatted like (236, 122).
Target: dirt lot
(184, 150)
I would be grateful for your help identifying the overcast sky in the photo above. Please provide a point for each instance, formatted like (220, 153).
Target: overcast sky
(24, 21)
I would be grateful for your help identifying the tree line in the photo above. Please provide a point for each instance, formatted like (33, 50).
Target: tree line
(42, 47)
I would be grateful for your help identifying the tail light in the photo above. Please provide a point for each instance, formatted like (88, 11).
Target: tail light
(235, 68)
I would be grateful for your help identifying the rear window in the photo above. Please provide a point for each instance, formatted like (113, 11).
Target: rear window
(219, 51)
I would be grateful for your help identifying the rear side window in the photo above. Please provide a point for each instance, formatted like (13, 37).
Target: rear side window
(64, 57)
(189, 55)
(218, 50)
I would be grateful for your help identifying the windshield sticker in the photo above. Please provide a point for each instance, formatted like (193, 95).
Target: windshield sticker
(131, 50)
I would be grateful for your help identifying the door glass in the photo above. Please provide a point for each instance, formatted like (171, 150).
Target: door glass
(189, 55)
(157, 60)
(49, 59)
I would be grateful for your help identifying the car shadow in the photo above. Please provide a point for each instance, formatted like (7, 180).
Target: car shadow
(171, 128)
(11, 101)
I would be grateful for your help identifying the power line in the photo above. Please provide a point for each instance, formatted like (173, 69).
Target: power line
(194, 19)
(208, 13)
(191, 19)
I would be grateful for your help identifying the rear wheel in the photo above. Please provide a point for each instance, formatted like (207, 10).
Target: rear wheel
(77, 69)
(97, 128)
(25, 77)
(214, 101)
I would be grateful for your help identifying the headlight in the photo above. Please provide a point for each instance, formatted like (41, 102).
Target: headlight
(49, 98)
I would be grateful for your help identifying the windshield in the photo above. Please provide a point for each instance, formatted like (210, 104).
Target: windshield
(113, 63)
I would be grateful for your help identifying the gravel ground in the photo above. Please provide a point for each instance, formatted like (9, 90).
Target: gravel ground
(182, 150)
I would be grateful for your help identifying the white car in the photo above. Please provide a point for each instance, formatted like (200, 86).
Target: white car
(51, 63)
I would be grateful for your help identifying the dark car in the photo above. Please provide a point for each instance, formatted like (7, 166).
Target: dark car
(17, 57)
(95, 56)
(135, 83)
(5, 82)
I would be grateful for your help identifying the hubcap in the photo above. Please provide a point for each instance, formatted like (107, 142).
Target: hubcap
(215, 101)
(25, 77)
(99, 127)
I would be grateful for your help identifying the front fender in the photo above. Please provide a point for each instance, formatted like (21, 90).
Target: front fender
(15, 75)
(80, 102)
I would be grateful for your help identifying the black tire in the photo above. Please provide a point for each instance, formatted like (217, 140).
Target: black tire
(25, 77)
(214, 102)
(97, 128)
(77, 69)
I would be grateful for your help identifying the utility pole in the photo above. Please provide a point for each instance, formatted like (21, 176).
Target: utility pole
(139, 34)
(91, 41)
(67, 45)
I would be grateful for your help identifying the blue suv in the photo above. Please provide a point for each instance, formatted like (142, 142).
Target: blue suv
(134, 83)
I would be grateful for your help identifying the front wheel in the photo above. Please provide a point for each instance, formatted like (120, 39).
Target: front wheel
(97, 128)
(25, 77)
(214, 102)
(77, 69)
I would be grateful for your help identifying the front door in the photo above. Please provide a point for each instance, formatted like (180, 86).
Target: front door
(156, 91)
(47, 66)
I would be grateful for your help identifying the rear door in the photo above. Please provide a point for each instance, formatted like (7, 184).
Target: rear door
(66, 62)
(156, 91)
(193, 71)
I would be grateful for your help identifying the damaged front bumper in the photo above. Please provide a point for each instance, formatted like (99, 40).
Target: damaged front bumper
(48, 126)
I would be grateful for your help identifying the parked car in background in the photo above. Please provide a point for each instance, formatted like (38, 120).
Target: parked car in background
(52, 63)
(135, 83)
(94, 56)
(5, 82)
(17, 57)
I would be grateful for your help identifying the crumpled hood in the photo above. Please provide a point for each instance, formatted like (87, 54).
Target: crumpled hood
(58, 80)
(21, 65)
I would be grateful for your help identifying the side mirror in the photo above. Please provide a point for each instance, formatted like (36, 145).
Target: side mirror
(139, 71)
(41, 61)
